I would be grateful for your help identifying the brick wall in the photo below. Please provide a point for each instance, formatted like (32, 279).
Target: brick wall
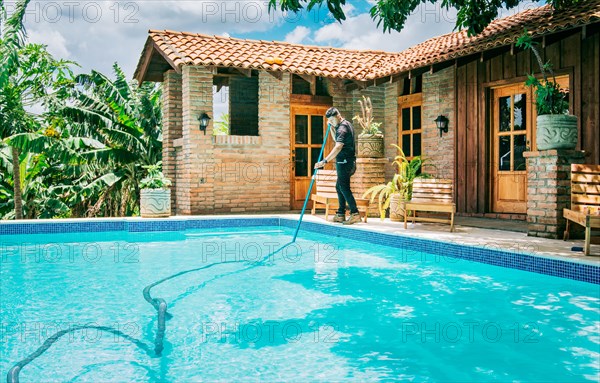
(549, 190)
(439, 99)
(172, 123)
(251, 174)
(195, 180)
(230, 174)
(390, 125)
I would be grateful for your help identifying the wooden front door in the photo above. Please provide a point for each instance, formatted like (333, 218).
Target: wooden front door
(512, 118)
(513, 132)
(308, 129)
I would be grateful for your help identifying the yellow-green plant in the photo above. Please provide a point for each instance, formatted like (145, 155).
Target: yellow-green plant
(401, 183)
(366, 120)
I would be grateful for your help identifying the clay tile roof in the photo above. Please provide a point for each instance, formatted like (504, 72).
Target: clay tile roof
(181, 48)
(197, 49)
(500, 32)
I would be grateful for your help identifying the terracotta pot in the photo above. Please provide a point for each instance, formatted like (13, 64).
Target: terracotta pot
(396, 210)
(556, 131)
(155, 203)
(370, 146)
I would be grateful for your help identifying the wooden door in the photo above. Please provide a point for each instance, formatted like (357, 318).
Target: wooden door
(308, 129)
(512, 121)
(513, 132)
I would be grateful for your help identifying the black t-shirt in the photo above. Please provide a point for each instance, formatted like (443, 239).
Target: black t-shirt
(345, 134)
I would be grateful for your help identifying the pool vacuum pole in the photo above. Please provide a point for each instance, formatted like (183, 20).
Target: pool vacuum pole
(312, 182)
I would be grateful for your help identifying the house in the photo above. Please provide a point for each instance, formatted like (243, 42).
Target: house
(278, 93)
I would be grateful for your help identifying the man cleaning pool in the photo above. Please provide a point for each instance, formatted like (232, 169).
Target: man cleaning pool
(345, 157)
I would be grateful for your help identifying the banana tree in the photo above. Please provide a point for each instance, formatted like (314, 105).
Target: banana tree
(125, 119)
(29, 77)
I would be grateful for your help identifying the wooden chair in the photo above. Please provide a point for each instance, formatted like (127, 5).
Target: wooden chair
(430, 195)
(326, 196)
(585, 201)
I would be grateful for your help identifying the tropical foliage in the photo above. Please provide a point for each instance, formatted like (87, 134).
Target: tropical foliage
(29, 77)
(221, 126)
(155, 179)
(550, 98)
(473, 15)
(83, 153)
(365, 119)
(401, 183)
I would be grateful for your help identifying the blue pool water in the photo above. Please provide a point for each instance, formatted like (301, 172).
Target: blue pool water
(324, 309)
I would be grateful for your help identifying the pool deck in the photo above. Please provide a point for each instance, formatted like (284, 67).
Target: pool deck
(509, 235)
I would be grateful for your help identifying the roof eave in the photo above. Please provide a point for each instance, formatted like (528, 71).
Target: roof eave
(150, 47)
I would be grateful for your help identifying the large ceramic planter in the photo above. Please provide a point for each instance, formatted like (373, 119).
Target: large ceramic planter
(155, 203)
(556, 131)
(396, 210)
(370, 146)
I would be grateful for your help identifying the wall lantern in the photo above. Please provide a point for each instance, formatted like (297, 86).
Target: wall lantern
(442, 124)
(204, 120)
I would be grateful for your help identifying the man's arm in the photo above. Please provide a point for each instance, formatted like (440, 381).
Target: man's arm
(331, 156)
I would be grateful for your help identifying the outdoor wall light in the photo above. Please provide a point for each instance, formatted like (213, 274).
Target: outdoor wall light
(442, 124)
(204, 120)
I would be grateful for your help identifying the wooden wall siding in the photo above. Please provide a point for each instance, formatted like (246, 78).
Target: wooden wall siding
(590, 101)
(572, 54)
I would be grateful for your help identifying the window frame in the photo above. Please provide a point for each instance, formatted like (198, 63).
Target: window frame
(410, 102)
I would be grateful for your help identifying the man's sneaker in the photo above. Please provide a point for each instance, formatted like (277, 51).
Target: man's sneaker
(339, 218)
(354, 218)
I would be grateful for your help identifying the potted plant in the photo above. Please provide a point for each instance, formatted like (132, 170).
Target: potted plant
(399, 189)
(370, 139)
(155, 195)
(556, 129)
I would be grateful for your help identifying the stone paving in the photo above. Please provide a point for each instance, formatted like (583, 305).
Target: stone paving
(510, 239)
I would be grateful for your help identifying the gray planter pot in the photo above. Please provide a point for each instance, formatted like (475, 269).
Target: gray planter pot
(155, 203)
(556, 131)
(370, 146)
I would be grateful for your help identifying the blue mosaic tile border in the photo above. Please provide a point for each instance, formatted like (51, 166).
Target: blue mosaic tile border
(61, 227)
(491, 256)
(132, 226)
(554, 267)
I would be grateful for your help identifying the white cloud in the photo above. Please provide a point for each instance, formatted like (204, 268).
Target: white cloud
(56, 42)
(361, 32)
(96, 34)
(298, 35)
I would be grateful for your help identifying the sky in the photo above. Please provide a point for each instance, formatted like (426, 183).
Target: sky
(98, 33)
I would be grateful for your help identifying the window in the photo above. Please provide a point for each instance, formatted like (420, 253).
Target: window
(412, 85)
(410, 128)
(236, 105)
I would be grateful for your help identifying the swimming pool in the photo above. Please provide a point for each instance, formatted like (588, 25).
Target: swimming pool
(329, 308)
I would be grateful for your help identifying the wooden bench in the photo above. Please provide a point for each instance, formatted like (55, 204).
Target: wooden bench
(430, 195)
(585, 201)
(326, 196)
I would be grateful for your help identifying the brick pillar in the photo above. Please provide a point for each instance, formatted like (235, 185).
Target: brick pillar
(390, 125)
(196, 173)
(549, 190)
(369, 172)
(439, 99)
(172, 121)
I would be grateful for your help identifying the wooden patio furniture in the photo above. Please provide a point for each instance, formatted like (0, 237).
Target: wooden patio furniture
(326, 196)
(432, 195)
(585, 201)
